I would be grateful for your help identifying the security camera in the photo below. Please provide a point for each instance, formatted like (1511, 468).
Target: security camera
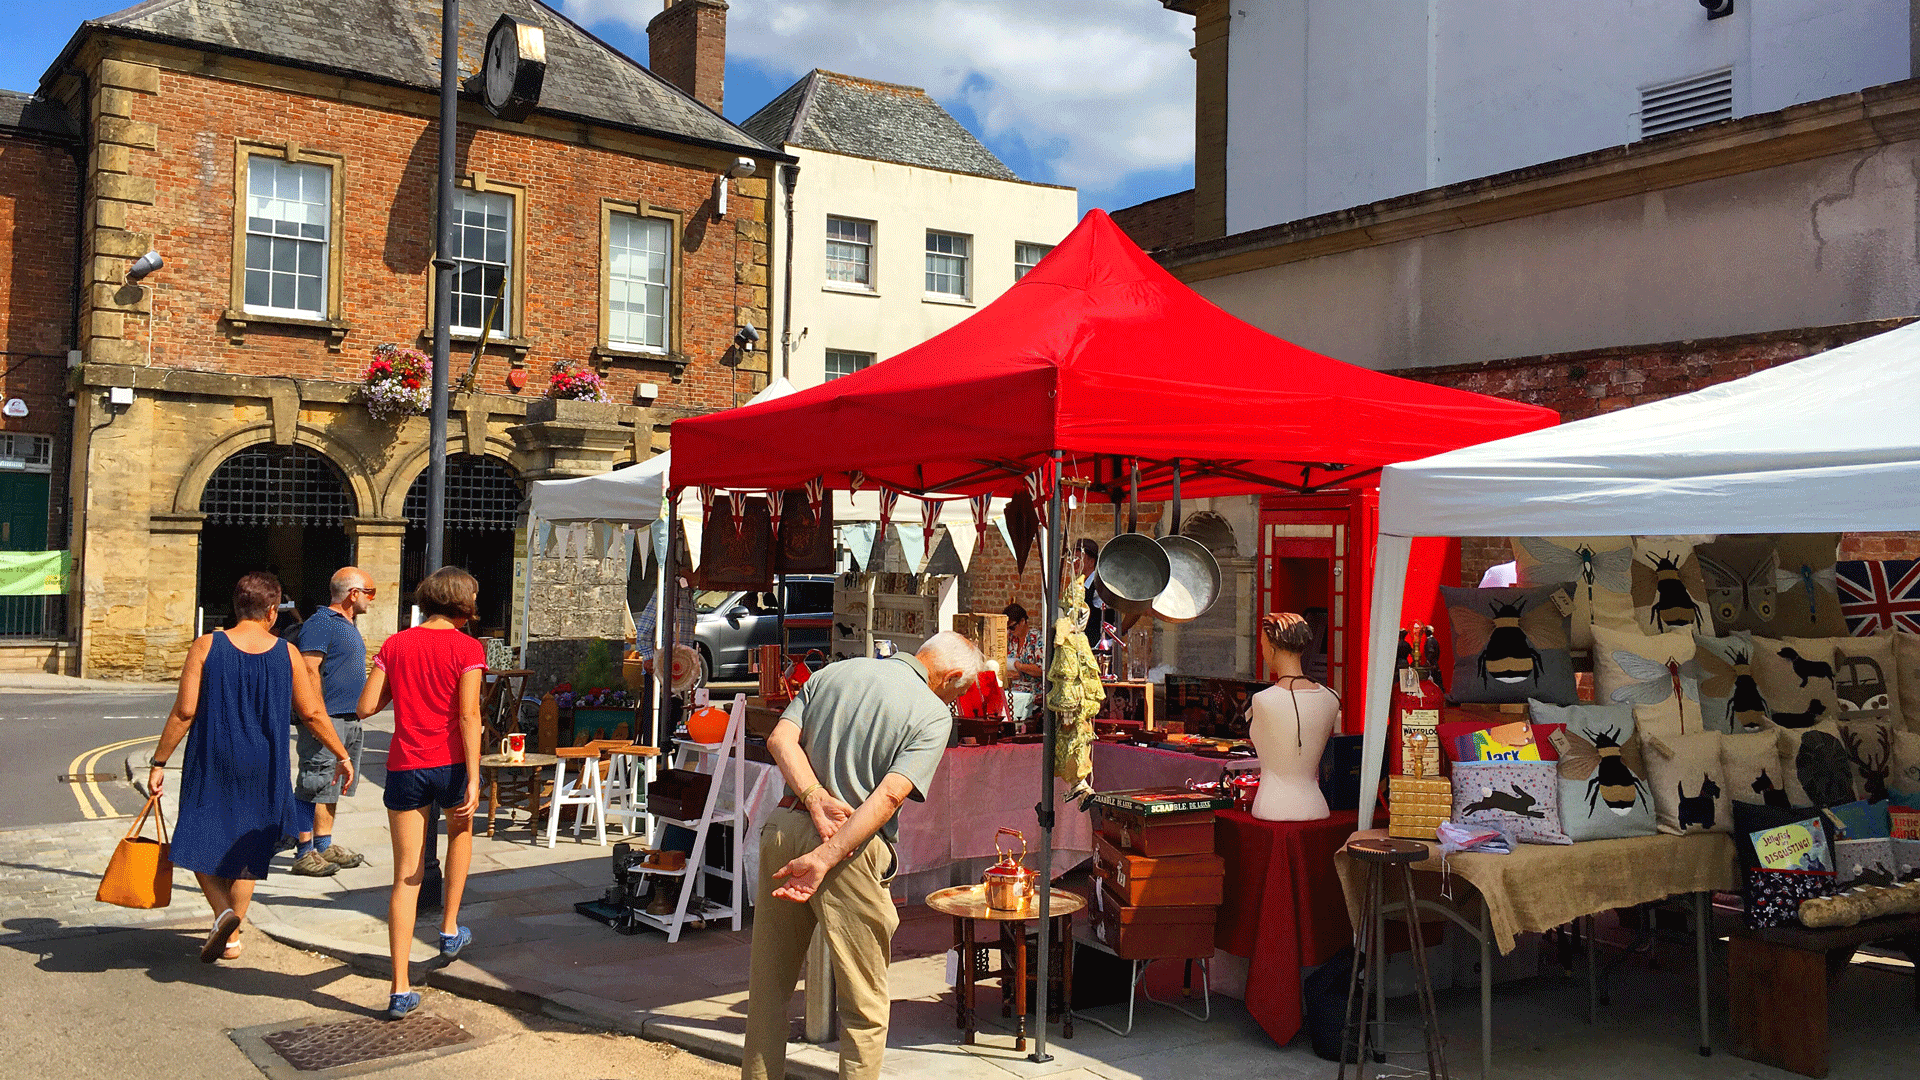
(742, 168)
(144, 265)
(747, 338)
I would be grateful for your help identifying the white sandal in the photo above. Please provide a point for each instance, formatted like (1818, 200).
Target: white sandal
(224, 927)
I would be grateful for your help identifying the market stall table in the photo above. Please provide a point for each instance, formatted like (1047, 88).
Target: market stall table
(967, 904)
(1541, 886)
(948, 839)
(523, 786)
(1283, 909)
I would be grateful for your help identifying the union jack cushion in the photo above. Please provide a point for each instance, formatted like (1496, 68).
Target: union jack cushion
(1879, 595)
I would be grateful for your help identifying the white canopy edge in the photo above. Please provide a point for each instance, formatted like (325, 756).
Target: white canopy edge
(1824, 444)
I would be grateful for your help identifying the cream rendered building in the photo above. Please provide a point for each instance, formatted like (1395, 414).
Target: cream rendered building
(901, 224)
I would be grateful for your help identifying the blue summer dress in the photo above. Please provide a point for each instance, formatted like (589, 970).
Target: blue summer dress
(236, 795)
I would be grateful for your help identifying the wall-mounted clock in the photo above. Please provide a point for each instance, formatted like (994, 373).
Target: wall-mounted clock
(514, 69)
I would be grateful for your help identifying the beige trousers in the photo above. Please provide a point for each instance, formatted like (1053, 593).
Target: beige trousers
(855, 908)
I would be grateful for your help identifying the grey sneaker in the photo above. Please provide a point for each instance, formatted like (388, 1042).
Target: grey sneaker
(342, 856)
(312, 865)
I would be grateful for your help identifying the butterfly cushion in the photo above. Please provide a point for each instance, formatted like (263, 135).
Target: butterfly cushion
(1866, 678)
(1755, 773)
(1655, 674)
(1796, 680)
(1689, 783)
(1739, 573)
(1808, 601)
(1600, 569)
(1668, 593)
(1819, 772)
(1510, 644)
(1604, 793)
(1730, 698)
(1521, 797)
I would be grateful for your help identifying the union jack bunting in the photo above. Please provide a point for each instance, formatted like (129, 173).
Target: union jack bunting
(816, 489)
(1878, 596)
(930, 516)
(856, 480)
(776, 502)
(706, 503)
(1038, 489)
(737, 506)
(889, 498)
(981, 504)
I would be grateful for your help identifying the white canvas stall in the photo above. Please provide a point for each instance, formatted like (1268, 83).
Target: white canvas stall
(1830, 443)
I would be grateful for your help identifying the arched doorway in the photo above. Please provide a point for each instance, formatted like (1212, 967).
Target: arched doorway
(283, 509)
(483, 502)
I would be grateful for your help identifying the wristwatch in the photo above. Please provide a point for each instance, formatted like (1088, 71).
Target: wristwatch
(156, 763)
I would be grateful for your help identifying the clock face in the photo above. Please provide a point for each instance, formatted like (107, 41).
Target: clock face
(503, 58)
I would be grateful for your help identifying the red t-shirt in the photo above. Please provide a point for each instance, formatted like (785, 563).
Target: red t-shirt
(423, 667)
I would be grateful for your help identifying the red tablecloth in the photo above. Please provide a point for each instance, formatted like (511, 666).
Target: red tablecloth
(1284, 909)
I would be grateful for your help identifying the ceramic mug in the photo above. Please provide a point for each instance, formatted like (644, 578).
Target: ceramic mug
(514, 747)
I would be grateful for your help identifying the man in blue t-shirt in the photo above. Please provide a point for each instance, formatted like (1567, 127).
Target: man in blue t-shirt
(337, 655)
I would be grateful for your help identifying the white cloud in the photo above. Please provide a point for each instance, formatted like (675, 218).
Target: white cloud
(1096, 89)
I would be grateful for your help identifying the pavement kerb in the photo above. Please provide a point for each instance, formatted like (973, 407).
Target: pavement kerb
(465, 980)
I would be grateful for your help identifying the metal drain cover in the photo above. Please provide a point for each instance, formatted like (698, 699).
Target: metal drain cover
(350, 1042)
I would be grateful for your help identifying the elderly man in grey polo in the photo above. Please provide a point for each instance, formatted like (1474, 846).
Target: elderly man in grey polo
(861, 737)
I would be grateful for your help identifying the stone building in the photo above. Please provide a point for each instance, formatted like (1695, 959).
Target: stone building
(281, 157)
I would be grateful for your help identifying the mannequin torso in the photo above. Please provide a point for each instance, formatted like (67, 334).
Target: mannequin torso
(1290, 723)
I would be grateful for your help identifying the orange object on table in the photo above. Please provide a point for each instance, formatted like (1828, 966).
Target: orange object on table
(708, 725)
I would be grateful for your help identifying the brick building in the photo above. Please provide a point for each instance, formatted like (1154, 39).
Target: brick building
(281, 157)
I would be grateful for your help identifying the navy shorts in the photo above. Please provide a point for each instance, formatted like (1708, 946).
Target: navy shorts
(411, 789)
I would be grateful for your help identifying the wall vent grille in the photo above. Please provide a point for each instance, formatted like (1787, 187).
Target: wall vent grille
(1686, 103)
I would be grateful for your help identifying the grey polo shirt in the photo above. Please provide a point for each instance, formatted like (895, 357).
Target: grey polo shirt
(861, 719)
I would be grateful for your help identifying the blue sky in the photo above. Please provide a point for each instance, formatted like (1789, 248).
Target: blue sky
(1097, 94)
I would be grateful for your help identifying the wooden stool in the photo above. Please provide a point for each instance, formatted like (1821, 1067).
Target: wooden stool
(1370, 939)
(583, 792)
(624, 797)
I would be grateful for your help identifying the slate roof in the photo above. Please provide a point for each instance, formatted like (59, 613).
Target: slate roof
(35, 116)
(398, 41)
(841, 114)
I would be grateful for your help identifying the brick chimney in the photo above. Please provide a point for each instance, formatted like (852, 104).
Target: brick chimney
(687, 46)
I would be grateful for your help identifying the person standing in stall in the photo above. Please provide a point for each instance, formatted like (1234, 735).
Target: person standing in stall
(1025, 651)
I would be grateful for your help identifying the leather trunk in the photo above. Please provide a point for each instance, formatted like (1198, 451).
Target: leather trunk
(1167, 881)
(1183, 932)
(679, 793)
(1160, 835)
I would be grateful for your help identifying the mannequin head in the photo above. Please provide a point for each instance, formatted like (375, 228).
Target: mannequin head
(1284, 637)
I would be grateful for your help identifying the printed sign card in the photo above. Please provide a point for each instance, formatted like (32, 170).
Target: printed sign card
(1801, 845)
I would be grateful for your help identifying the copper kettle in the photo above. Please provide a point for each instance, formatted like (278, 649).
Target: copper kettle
(1009, 884)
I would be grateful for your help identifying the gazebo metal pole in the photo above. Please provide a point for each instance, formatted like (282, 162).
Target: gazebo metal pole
(663, 618)
(1052, 579)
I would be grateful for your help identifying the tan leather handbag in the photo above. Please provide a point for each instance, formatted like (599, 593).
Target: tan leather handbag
(140, 874)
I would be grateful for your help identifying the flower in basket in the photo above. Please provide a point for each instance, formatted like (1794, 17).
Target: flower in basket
(606, 698)
(576, 382)
(395, 383)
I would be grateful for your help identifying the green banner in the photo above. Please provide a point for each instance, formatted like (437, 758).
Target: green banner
(34, 573)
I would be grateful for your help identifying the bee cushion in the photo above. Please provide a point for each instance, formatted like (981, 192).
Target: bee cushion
(1808, 604)
(1819, 772)
(1739, 573)
(1510, 644)
(1755, 773)
(1796, 679)
(1668, 593)
(1689, 783)
(1521, 797)
(1600, 568)
(1653, 674)
(1730, 698)
(1604, 793)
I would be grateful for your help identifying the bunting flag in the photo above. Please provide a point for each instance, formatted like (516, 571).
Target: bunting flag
(706, 503)
(889, 498)
(981, 505)
(776, 502)
(543, 539)
(856, 480)
(602, 542)
(737, 508)
(930, 516)
(816, 489)
(1038, 489)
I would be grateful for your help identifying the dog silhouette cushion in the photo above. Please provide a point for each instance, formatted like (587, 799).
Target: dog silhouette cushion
(1796, 679)
(1689, 783)
(1521, 797)
(1755, 773)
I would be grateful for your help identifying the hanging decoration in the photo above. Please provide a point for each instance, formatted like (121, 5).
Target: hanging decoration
(816, 490)
(737, 507)
(1022, 526)
(706, 504)
(981, 505)
(855, 481)
(1074, 691)
(929, 517)
(1038, 489)
(776, 505)
(889, 498)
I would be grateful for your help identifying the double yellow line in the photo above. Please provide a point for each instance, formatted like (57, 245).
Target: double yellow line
(89, 760)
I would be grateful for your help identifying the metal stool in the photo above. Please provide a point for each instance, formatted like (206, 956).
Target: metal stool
(1370, 939)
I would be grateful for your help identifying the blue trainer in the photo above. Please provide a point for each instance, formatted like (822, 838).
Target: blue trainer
(451, 944)
(399, 1005)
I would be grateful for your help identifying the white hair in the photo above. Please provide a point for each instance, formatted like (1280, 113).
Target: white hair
(948, 651)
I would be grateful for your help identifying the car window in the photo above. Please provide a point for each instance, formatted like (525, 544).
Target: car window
(711, 600)
(810, 597)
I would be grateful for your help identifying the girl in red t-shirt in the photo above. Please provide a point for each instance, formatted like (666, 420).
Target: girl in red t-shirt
(431, 675)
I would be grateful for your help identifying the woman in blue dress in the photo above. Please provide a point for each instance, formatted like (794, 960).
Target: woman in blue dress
(239, 692)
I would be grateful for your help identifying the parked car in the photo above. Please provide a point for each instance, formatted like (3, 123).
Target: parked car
(729, 625)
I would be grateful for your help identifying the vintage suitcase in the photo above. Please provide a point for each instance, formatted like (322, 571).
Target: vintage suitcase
(1173, 880)
(1183, 932)
(1167, 834)
(680, 794)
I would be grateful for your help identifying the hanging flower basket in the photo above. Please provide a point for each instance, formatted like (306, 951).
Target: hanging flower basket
(576, 382)
(396, 384)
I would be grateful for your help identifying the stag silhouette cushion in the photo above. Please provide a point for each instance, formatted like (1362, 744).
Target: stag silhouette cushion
(1730, 698)
(1819, 772)
(1600, 569)
(1521, 797)
(1604, 794)
(1870, 755)
(1656, 675)
(1511, 644)
(1755, 773)
(1689, 783)
(1668, 592)
(1795, 676)
(1809, 605)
